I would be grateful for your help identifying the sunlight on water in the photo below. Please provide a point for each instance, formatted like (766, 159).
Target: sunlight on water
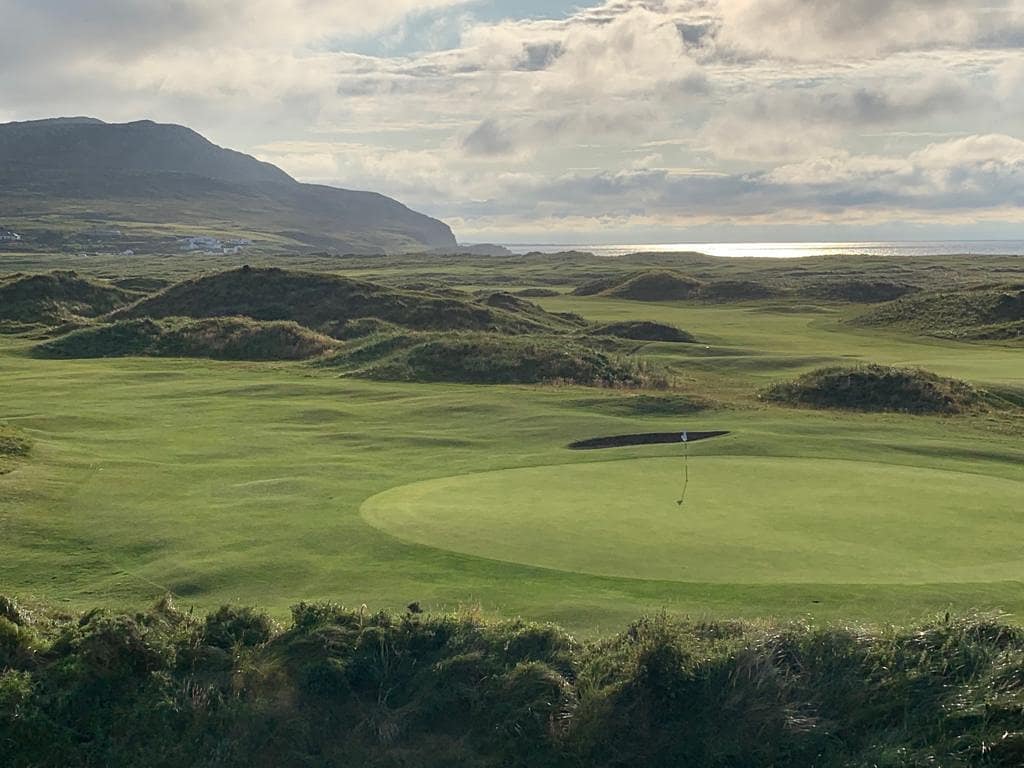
(796, 250)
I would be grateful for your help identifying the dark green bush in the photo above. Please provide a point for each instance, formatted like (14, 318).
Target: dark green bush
(230, 627)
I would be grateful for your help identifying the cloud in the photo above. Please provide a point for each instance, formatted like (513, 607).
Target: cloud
(825, 29)
(972, 178)
(657, 113)
(1009, 85)
(794, 120)
(602, 77)
(138, 27)
(489, 138)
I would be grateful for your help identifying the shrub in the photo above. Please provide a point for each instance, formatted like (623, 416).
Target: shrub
(230, 627)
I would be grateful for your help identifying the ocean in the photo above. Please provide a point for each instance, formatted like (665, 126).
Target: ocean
(794, 250)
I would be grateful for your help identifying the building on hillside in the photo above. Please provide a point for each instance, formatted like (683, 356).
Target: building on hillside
(213, 245)
(8, 235)
(200, 243)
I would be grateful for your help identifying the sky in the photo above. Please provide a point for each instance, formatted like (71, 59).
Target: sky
(625, 121)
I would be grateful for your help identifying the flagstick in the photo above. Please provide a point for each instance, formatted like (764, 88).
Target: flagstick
(686, 468)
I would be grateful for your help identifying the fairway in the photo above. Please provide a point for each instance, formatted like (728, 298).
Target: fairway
(268, 483)
(745, 519)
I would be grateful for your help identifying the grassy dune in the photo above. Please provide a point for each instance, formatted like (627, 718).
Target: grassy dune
(992, 312)
(221, 338)
(58, 297)
(876, 388)
(323, 302)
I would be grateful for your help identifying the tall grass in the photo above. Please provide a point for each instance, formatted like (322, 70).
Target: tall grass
(341, 687)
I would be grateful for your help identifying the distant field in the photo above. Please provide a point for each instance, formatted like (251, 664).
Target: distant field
(270, 483)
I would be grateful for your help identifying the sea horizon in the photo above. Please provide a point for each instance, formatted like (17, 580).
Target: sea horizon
(794, 249)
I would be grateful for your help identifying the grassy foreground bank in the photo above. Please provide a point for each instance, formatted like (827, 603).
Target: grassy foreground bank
(337, 687)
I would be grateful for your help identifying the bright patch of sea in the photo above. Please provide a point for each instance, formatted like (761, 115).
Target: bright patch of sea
(795, 250)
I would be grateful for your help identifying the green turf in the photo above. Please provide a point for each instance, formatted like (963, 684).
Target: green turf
(751, 520)
(244, 482)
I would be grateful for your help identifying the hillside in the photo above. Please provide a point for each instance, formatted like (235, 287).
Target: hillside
(231, 338)
(87, 183)
(58, 297)
(326, 303)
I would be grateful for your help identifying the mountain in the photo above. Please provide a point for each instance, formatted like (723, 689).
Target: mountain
(72, 179)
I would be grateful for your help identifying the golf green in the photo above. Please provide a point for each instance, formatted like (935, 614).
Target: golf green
(745, 520)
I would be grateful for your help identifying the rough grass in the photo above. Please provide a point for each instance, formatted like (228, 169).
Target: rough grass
(363, 327)
(352, 688)
(537, 293)
(222, 338)
(58, 297)
(518, 306)
(478, 358)
(142, 284)
(738, 290)
(857, 291)
(877, 388)
(325, 302)
(13, 447)
(981, 313)
(643, 330)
